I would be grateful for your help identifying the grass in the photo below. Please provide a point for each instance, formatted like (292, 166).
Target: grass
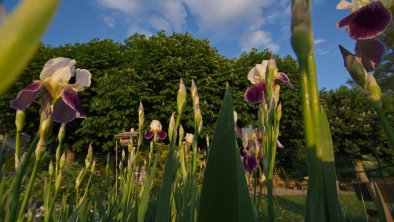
(291, 208)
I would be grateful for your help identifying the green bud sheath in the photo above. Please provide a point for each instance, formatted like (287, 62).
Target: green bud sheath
(19, 120)
(181, 98)
(355, 67)
(374, 93)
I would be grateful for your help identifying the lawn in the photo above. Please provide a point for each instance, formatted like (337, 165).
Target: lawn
(291, 208)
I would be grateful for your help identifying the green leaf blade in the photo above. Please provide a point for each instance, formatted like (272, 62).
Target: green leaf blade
(20, 37)
(224, 194)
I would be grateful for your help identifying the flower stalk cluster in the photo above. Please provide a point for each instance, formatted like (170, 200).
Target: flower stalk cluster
(369, 49)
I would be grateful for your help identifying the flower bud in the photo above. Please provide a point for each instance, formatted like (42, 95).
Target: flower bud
(195, 97)
(90, 153)
(93, 167)
(276, 92)
(302, 36)
(50, 168)
(181, 98)
(43, 132)
(171, 126)
(270, 73)
(58, 181)
(355, 67)
(123, 154)
(279, 112)
(62, 161)
(181, 133)
(141, 116)
(374, 93)
(79, 178)
(19, 120)
(235, 116)
(198, 119)
(62, 132)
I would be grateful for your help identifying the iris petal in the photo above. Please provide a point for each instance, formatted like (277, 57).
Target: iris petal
(26, 96)
(148, 135)
(250, 163)
(62, 113)
(60, 69)
(371, 52)
(68, 107)
(254, 94)
(285, 79)
(367, 22)
(161, 135)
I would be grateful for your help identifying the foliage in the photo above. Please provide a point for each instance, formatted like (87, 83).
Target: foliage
(354, 125)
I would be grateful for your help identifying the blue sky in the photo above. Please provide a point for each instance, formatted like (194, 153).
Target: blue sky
(232, 26)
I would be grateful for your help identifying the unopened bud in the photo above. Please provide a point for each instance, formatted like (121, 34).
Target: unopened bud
(270, 72)
(62, 161)
(90, 153)
(279, 112)
(93, 167)
(195, 97)
(58, 180)
(374, 93)
(276, 92)
(171, 126)
(302, 37)
(355, 67)
(62, 132)
(181, 133)
(198, 119)
(50, 168)
(123, 154)
(141, 116)
(235, 115)
(19, 120)
(181, 98)
(79, 178)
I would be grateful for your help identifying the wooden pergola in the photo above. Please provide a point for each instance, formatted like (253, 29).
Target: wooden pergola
(126, 138)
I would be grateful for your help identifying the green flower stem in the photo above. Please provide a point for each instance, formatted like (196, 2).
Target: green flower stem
(386, 124)
(17, 148)
(195, 153)
(11, 214)
(29, 187)
(58, 154)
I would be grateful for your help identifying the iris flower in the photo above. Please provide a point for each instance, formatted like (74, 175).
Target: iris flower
(155, 131)
(189, 139)
(367, 20)
(251, 145)
(257, 76)
(250, 148)
(54, 81)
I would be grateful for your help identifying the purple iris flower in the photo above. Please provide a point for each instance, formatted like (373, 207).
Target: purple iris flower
(257, 75)
(54, 80)
(365, 22)
(155, 131)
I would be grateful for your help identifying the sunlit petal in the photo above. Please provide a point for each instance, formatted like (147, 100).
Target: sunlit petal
(82, 79)
(26, 96)
(59, 68)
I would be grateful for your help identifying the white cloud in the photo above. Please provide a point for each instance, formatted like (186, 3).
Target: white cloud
(241, 21)
(258, 39)
(319, 41)
(109, 21)
(148, 16)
